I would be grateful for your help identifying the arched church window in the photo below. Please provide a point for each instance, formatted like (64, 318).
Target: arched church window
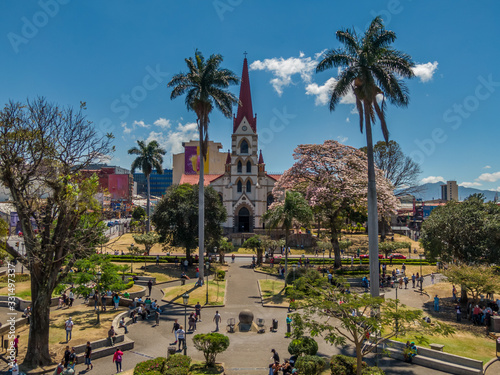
(239, 187)
(249, 186)
(240, 167)
(270, 200)
(244, 147)
(249, 167)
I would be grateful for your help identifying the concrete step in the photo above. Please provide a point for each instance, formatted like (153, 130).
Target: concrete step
(436, 364)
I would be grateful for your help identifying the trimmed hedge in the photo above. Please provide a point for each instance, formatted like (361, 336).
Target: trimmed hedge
(176, 364)
(345, 365)
(331, 261)
(140, 258)
(304, 345)
(150, 367)
(221, 274)
(310, 365)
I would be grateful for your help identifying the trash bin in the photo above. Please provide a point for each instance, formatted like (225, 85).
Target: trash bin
(275, 324)
(171, 350)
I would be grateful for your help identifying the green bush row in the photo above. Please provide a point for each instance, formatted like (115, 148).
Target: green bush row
(176, 364)
(345, 365)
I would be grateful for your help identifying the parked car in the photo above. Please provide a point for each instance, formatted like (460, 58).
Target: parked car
(117, 222)
(366, 256)
(397, 256)
(110, 224)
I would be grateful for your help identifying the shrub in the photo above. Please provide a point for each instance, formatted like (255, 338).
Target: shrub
(221, 274)
(177, 364)
(129, 285)
(374, 370)
(150, 367)
(303, 345)
(211, 344)
(310, 365)
(345, 365)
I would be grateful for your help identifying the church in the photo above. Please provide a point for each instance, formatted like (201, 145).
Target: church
(241, 181)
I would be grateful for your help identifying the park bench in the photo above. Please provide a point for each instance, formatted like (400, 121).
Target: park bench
(436, 359)
(101, 348)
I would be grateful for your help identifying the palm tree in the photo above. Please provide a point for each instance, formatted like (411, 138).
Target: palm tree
(149, 156)
(294, 209)
(373, 71)
(205, 86)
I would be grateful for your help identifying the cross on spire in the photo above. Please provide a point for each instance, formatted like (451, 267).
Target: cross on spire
(245, 53)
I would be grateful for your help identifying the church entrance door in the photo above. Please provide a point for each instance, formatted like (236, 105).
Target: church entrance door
(244, 220)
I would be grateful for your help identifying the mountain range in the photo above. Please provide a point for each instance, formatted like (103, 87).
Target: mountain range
(432, 191)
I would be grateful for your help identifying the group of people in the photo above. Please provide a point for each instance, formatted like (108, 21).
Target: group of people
(68, 362)
(480, 314)
(66, 300)
(287, 367)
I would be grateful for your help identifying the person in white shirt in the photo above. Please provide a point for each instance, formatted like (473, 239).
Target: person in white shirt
(15, 368)
(69, 328)
(181, 337)
(71, 298)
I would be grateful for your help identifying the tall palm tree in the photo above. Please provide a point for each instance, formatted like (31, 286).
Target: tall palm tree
(149, 156)
(373, 70)
(294, 209)
(205, 86)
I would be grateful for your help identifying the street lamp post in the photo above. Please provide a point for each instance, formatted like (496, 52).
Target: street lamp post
(185, 299)
(294, 266)
(130, 252)
(396, 311)
(421, 276)
(96, 291)
(323, 262)
(207, 266)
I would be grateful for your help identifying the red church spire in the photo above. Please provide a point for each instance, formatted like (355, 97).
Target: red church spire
(245, 108)
(228, 159)
(261, 159)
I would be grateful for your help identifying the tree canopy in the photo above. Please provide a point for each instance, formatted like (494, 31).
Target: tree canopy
(44, 150)
(332, 177)
(476, 280)
(467, 231)
(176, 216)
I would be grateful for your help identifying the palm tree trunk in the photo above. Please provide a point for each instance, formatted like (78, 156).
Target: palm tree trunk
(148, 204)
(372, 208)
(201, 209)
(286, 253)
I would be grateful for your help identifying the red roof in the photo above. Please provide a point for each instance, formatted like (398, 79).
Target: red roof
(274, 176)
(193, 179)
(245, 108)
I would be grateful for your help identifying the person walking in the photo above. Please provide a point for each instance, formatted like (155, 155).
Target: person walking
(116, 301)
(288, 324)
(186, 264)
(459, 313)
(406, 282)
(175, 328)
(432, 278)
(454, 292)
(217, 319)
(69, 328)
(16, 345)
(400, 283)
(72, 359)
(71, 298)
(157, 260)
(123, 325)
(197, 310)
(413, 278)
(232, 258)
(181, 336)
(67, 353)
(117, 358)
(150, 286)
(88, 356)
(436, 303)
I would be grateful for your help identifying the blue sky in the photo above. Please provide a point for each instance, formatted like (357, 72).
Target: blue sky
(119, 55)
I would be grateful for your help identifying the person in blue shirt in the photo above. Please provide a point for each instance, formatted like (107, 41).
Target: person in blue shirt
(436, 303)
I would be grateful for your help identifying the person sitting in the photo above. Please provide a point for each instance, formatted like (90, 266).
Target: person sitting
(286, 368)
(412, 352)
(112, 335)
(147, 301)
(126, 295)
(184, 276)
(199, 282)
(60, 368)
(133, 316)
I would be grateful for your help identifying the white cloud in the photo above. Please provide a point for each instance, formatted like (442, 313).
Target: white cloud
(348, 120)
(163, 123)
(490, 177)
(172, 140)
(425, 71)
(322, 93)
(470, 184)
(432, 179)
(342, 139)
(284, 69)
(140, 124)
(487, 167)
(125, 129)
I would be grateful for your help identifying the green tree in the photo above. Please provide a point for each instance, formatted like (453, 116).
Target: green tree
(272, 245)
(139, 213)
(342, 318)
(176, 216)
(303, 345)
(205, 86)
(224, 246)
(293, 209)
(4, 232)
(43, 151)
(310, 364)
(148, 240)
(211, 344)
(149, 157)
(255, 243)
(475, 280)
(390, 247)
(371, 69)
(468, 232)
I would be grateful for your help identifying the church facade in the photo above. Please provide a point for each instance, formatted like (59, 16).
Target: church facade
(245, 187)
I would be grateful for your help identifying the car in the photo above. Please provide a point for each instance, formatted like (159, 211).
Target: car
(397, 256)
(366, 256)
(117, 222)
(110, 224)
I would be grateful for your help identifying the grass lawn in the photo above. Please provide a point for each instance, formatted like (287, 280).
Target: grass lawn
(22, 290)
(273, 292)
(123, 243)
(163, 273)
(85, 328)
(216, 292)
(464, 344)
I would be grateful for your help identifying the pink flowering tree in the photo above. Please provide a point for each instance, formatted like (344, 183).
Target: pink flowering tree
(333, 178)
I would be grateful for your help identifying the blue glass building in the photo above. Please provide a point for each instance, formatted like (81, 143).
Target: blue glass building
(159, 182)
